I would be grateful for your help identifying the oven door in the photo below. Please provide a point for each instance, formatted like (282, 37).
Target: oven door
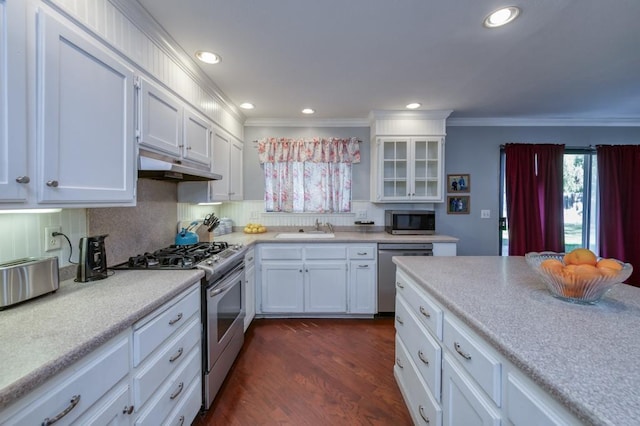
(225, 312)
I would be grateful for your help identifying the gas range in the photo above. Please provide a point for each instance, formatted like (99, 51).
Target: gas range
(215, 258)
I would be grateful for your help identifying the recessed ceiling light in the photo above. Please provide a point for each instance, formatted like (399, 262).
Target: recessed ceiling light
(501, 17)
(414, 105)
(247, 105)
(308, 111)
(208, 57)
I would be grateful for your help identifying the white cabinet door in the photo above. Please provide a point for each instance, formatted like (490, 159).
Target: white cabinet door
(462, 402)
(219, 190)
(325, 287)
(410, 169)
(250, 288)
(84, 119)
(161, 116)
(235, 171)
(15, 177)
(196, 137)
(362, 287)
(281, 287)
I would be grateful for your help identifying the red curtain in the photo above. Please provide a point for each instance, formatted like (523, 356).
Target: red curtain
(533, 174)
(619, 197)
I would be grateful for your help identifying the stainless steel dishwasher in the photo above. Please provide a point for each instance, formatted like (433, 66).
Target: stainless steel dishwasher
(387, 270)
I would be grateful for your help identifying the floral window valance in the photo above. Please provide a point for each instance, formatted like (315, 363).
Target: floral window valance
(316, 150)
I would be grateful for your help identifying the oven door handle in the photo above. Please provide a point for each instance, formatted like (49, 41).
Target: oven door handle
(221, 289)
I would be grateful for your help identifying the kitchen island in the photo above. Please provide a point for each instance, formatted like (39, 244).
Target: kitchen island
(582, 356)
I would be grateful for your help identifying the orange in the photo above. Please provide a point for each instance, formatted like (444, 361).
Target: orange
(608, 272)
(552, 266)
(587, 272)
(609, 263)
(580, 256)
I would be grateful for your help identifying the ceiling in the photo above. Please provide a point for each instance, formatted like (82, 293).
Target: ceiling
(561, 59)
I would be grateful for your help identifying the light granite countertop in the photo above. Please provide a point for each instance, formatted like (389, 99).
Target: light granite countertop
(43, 336)
(585, 356)
(340, 237)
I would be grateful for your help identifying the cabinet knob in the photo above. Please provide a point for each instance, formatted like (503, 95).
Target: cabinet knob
(52, 183)
(188, 148)
(23, 179)
(128, 409)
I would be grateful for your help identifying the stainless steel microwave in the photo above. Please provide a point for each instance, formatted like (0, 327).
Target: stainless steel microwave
(410, 222)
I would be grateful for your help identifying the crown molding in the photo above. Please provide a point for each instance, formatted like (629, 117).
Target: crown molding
(409, 114)
(546, 122)
(307, 122)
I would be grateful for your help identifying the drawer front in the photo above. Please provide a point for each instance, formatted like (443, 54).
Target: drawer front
(78, 392)
(324, 251)
(160, 366)
(463, 403)
(423, 349)
(422, 406)
(187, 410)
(362, 252)
(147, 337)
(281, 252)
(110, 410)
(475, 357)
(426, 310)
(173, 392)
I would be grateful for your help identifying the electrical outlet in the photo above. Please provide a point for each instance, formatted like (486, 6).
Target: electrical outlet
(485, 214)
(50, 242)
(361, 214)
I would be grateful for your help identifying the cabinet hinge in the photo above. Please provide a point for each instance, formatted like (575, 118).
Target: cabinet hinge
(136, 82)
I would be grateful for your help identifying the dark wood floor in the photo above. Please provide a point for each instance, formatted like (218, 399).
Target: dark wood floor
(312, 372)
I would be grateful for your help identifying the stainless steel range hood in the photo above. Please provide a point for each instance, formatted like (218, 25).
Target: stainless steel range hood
(160, 167)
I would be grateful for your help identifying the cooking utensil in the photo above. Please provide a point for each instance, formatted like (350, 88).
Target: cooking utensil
(211, 221)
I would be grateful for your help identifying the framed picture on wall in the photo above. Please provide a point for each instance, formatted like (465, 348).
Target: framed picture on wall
(458, 183)
(458, 204)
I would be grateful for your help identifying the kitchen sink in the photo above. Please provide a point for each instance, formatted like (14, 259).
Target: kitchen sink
(304, 235)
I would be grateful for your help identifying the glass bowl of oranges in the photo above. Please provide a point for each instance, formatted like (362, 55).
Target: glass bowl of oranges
(578, 276)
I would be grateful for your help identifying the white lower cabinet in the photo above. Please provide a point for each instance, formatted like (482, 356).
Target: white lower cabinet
(449, 373)
(83, 386)
(250, 287)
(108, 388)
(167, 359)
(317, 279)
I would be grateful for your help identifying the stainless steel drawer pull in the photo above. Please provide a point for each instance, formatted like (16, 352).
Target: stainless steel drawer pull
(176, 356)
(399, 284)
(362, 253)
(128, 409)
(458, 349)
(422, 414)
(52, 183)
(422, 357)
(363, 266)
(75, 399)
(181, 421)
(400, 321)
(424, 312)
(23, 179)
(176, 319)
(177, 392)
(399, 363)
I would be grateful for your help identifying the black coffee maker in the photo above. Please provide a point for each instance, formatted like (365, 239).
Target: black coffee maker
(93, 259)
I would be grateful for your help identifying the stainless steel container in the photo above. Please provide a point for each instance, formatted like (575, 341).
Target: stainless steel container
(24, 279)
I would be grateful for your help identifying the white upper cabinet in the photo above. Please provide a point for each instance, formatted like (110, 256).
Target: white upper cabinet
(84, 119)
(196, 137)
(16, 181)
(168, 126)
(160, 125)
(407, 158)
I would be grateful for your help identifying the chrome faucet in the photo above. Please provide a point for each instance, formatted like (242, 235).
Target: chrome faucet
(330, 226)
(317, 224)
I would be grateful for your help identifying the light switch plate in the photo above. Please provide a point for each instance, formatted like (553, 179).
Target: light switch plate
(485, 214)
